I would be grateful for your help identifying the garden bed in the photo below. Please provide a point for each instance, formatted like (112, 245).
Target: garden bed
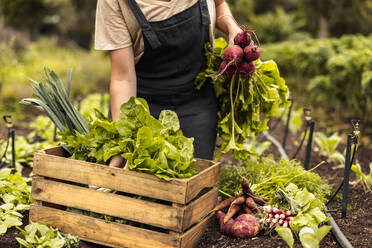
(356, 228)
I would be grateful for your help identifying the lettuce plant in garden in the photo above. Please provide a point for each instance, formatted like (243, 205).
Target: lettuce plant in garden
(308, 215)
(40, 235)
(14, 199)
(328, 146)
(365, 179)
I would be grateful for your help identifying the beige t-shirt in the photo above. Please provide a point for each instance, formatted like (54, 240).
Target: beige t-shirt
(117, 27)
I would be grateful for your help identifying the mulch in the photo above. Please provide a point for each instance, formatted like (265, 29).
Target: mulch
(357, 227)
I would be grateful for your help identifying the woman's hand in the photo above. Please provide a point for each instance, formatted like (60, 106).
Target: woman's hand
(225, 21)
(117, 161)
(233, 31)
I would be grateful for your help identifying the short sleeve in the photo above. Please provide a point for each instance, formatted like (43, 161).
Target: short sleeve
(111, 31)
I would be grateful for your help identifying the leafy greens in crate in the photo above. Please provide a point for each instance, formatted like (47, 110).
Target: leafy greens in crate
(152, 146)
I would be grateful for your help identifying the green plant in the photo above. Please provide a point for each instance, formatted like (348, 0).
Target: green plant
(149, 145)
(267, 175)
(328, 146)
(252, 144)
(365, 179)
(24, 151)
(91, 71)
(38, 235)
(308, 213)
(14, 199)
(94, 101)
(296, 119)
(278, 25)
(333, 73)
(246, 102)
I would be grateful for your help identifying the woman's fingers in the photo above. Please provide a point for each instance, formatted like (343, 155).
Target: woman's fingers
(117, 161)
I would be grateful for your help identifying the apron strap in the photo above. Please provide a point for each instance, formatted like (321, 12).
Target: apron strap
(204, 12)
(147, 30)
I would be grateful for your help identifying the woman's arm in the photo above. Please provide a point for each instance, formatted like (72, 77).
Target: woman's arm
(123, 83)
(225, 21)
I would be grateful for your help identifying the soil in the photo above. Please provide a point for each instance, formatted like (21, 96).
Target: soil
(357, 227)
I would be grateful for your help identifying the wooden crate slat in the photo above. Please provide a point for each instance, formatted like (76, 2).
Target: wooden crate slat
(128, 208)
(100, 232)
(108, 177)
(191, 238)
(57, 190)
(199, 208)
(206, 179)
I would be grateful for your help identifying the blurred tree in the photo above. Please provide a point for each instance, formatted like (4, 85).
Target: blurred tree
(242, 10)
(277, 25)
(70, 20)
(16, 13)
(75, 21)
(337, 17)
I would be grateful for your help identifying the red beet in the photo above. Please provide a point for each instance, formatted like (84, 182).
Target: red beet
(230, 70)
(245, 226)
(225, 228)
(243, 39)
(252, 52)
(247, 68)
(233, 54)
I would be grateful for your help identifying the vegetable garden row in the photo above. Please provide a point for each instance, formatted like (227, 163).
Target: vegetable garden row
(262, 197)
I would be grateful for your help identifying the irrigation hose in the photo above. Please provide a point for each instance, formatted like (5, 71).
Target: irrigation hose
(301, 144)
(276, 143)
(340, 237)
(6, 148)
(342, 183)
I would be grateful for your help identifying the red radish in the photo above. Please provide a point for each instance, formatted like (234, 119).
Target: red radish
(230, 70)
(285, 224)
(243, 39)
(269, 209)
(247, 68)
(282, 216)
(278, 211)
(287, 213)
(252, 52)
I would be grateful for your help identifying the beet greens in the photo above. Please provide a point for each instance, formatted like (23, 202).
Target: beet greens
(247, 96)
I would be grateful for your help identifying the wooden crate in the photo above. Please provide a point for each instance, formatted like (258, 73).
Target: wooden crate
(178, 218)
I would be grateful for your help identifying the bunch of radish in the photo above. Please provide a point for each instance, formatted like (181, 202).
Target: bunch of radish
(275, 217)
(243, 207)
(240, 57)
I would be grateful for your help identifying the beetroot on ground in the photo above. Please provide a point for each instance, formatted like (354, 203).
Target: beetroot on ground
(246, 226)
(230, 70)
(247, 68)
(243, 39)
(252, 52)
(225, 228)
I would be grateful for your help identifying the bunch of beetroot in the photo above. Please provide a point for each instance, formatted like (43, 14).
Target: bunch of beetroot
(276, 217)
(240, 56)
(243, 207)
